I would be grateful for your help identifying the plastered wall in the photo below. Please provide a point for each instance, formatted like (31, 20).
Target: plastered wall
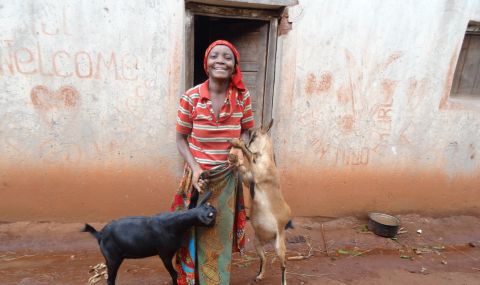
(87, 107)
(363, 118)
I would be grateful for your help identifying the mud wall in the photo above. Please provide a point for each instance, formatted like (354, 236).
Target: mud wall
(87, 108)
(363, 118)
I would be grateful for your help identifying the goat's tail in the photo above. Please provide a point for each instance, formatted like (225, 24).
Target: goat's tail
(289, 225)
(92, 231)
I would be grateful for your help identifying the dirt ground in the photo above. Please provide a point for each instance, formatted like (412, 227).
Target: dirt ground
(337, 251)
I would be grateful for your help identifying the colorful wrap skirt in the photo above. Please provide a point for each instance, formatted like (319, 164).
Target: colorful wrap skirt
(206, 253)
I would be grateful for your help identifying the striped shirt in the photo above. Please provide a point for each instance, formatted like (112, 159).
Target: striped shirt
(208, 135)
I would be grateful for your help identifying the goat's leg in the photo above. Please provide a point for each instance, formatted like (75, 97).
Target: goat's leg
(263, 259)
(112, 268)
(167, 261)
(241, 145)
(281, 250)
(247, 176)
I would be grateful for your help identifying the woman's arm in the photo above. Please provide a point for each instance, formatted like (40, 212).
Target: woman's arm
(184, 150)
(244, 136)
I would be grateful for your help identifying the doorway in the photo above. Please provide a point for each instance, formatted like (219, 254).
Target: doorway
(253, 32)
(250, 37)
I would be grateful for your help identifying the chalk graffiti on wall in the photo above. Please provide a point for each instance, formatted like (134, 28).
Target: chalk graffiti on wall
(58, 124)
(67, 135)
(17, 130)
(58, 111)
(352, 156)
(51, 28)
(38, 58)
(316, 85)
(44, 98)
(365, 100)
(52, 151)
(34, 60)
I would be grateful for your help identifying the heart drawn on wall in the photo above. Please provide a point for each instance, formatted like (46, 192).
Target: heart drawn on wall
(65, 97)
(57, 109)
(60, 127)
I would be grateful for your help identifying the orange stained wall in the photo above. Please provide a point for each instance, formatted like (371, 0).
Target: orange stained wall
(363, 115)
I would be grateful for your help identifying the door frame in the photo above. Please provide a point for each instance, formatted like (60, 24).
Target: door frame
(272, 16)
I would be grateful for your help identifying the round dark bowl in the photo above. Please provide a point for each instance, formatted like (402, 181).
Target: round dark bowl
(383, 225)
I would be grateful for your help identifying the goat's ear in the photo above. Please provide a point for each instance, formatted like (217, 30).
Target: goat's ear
(268, 127)
(207, 196)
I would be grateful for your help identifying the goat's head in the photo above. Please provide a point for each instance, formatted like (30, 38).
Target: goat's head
(260, 142)
(207, 213)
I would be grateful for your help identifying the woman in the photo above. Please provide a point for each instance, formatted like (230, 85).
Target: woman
(208, 115)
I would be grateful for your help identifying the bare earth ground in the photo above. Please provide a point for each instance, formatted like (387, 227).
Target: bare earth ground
(446, 252)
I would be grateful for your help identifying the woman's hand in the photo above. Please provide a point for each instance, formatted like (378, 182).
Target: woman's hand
(235, 157)
(183, 149)
(198, 183)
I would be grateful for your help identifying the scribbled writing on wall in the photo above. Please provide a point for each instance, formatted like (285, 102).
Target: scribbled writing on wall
(76, 97)
(318, 85)
(352, 156)
(53, 27)
(80, 64)
(38, 56)
(363, 107)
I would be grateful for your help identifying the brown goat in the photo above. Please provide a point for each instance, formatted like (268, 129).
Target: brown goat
(270, 214)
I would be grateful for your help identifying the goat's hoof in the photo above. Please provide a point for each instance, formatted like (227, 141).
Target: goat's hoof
(235, 142)
(259, 278)
(233, 159)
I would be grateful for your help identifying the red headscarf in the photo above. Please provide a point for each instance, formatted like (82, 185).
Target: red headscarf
(237, 79)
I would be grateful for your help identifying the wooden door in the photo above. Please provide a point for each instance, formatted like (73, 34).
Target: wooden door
(254, 33)
(250, 38)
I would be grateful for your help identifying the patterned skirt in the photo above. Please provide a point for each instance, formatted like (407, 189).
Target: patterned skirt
(206, 254)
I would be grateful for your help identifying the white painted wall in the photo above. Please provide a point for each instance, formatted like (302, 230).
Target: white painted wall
(361, 106)
(88, 96)
(119, 60)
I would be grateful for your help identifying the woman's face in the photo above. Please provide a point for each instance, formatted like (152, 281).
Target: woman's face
(220, 62)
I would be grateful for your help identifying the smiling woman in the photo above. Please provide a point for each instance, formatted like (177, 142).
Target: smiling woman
(220, 62)
(220, 67)
(209, 115)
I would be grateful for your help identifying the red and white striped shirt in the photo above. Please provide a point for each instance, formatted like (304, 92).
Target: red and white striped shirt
(208, 135)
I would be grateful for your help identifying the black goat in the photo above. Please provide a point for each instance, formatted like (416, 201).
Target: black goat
(139, 237)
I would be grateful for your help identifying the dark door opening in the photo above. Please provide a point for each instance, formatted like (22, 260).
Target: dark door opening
(250, 37)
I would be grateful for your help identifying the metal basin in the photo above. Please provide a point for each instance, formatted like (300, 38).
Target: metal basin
(383, 225)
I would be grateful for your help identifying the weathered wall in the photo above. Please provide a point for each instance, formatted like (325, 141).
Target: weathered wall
(87, 107)
(362, 116)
